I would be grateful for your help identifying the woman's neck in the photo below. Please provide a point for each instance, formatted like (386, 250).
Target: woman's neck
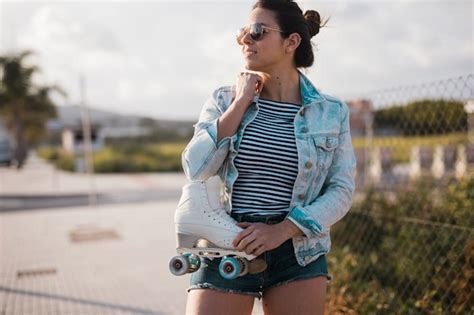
(282, 86)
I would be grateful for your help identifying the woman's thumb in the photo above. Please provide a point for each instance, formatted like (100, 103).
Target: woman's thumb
(243, 224)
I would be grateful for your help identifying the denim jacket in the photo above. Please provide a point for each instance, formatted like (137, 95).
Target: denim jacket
(323, 189)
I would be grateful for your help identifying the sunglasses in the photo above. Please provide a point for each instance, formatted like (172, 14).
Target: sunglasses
(255, 30)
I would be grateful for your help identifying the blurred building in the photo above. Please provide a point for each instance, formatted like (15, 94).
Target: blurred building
(361, 117)
(73, 139)
(65, 130)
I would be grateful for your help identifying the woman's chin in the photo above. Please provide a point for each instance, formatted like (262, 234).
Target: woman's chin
(251, 66)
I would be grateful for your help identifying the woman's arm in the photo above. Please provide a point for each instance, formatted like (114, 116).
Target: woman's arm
(214, 135)
(229, 122)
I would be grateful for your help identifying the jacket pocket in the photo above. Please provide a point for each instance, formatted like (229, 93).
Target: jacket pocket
(325, 147)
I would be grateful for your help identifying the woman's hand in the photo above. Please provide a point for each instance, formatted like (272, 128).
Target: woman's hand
(257, 238)
(249, 84)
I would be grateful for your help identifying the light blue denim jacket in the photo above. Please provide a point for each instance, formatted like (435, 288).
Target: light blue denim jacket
(323, 189)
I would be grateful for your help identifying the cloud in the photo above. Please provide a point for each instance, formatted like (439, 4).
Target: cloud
(132, 92)
(163, 59)
(385, 44)
(59, 30)
(71, 46)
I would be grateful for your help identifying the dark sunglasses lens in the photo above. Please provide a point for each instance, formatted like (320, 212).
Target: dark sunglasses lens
(256, 31)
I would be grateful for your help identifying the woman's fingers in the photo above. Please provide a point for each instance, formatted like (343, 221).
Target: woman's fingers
(242, 234)
(260, 250)
(253, 248)
(249, 84)
(258, 88)
(249, 244)
(244, 224)
(245, 240)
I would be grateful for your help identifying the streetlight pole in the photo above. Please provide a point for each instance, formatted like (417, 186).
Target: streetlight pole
(87, 141)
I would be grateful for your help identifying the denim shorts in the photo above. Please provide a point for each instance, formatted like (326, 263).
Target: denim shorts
(282, 267)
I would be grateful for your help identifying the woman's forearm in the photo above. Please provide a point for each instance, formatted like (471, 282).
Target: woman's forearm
(229, 122)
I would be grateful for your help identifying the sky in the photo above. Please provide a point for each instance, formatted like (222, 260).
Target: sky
(163, 59)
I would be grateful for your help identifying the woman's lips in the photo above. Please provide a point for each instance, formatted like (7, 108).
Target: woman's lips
(249, 53)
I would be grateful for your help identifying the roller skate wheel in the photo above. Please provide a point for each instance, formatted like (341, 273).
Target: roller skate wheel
(194, 262)
(179, 265)
(230, 268)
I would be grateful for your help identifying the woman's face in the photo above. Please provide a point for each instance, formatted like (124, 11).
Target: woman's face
(264, 54)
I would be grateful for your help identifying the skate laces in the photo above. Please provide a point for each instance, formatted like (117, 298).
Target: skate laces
(223, 198)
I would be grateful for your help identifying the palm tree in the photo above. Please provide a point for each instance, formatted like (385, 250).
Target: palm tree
(24, 106)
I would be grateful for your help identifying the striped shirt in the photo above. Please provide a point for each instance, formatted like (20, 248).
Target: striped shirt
(267, 161)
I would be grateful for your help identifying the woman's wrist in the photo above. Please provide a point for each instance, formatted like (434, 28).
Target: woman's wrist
(290, 229)
(242, 104)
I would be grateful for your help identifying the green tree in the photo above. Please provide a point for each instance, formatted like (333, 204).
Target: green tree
(24, 106)
(424, 117)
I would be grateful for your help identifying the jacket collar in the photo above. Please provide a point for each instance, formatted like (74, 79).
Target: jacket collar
(309, 93)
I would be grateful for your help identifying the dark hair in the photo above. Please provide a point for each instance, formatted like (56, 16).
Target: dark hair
(290, 19)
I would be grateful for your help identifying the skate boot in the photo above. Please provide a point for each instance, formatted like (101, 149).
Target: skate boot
(205, 229)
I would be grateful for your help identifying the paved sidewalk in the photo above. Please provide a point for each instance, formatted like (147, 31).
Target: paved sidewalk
(105, 260)
(108, 259)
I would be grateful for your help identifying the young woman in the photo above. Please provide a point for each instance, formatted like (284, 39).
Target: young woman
(284, 152)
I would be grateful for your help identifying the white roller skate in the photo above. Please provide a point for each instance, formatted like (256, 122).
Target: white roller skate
(205, 229)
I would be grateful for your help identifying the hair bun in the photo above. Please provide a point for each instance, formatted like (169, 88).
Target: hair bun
(313, 20)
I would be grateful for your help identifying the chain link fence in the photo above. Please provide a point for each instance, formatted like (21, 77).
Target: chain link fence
(406, 246)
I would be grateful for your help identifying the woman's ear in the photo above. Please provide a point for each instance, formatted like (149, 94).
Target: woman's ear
(293, 41)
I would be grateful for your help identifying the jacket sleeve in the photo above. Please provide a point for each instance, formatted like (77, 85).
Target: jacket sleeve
(337, 190)
(203, 155)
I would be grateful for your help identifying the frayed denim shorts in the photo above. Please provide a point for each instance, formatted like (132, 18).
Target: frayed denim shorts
(282, 267)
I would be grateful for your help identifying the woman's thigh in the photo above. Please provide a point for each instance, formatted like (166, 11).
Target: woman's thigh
(297, 297)
(208, 301)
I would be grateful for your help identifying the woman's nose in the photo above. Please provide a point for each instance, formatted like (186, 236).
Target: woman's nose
(247, 39)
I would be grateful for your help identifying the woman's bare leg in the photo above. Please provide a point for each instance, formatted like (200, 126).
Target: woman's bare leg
(208, 301)
(297, 297)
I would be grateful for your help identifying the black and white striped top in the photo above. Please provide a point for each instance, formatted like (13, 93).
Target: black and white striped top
(267, 161)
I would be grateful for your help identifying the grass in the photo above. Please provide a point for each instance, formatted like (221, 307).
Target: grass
(401, 146)
(165, 157)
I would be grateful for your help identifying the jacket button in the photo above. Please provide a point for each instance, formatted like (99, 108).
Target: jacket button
(302, 112)
(306, 259)
(301, 196)
(304, 129)
(309, 164)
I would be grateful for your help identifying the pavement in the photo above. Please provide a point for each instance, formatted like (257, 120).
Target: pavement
(92, 259)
